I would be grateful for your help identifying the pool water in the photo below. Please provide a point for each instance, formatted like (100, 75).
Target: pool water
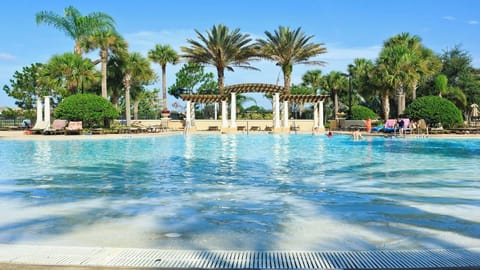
(242, 192)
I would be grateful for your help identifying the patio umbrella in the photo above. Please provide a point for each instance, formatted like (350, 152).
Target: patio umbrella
(474, 110)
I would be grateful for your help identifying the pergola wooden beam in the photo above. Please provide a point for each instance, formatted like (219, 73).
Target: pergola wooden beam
(254, 88)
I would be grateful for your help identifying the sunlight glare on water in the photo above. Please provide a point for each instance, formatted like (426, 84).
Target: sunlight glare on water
(242, 192)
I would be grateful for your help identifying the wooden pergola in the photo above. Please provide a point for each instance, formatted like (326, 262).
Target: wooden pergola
(276, 91)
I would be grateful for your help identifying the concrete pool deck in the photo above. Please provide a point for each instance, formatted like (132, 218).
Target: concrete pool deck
(19, 135)
(53, 257)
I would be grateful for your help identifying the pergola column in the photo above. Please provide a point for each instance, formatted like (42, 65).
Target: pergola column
(276, 110)
(285, 114)
(39, 111)
(47, 111)
(192, 114)
(224, 114)
(188, 120)
(320, 114)
(233, 110)
(315, 115)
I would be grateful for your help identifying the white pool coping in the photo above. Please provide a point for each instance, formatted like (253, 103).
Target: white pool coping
(223, 259)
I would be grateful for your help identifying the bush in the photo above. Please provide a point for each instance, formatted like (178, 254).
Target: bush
(435, 110)
(362, 113)
(92, 110)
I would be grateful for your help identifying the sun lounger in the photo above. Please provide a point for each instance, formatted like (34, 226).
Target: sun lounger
(40, 127)
(74, 127)
(390, 126)
(58, 126)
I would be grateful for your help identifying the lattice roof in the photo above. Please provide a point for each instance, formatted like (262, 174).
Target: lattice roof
(254, 88)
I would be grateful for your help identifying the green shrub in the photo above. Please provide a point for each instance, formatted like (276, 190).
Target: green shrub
(362, 113)
(92, 110)
(435, 110)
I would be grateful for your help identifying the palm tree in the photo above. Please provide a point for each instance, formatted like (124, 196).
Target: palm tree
(69, 74)
(137, 71)
(76, 26)
(106, 41)
(163, 54)
(407, 60)
(312, 79)
(223, 49)
(335, 82)
(452, 93)
(287, 47)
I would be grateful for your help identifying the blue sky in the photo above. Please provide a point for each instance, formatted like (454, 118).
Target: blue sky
(348, 28)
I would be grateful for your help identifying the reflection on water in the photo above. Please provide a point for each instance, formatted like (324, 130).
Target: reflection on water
(256, 192)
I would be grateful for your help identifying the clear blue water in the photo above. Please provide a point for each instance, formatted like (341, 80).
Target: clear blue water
(255, 192)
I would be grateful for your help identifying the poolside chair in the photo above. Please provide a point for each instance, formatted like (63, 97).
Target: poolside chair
(390, 126)
(58, 126)
(39, 127)
(377, 128)
(74, 127)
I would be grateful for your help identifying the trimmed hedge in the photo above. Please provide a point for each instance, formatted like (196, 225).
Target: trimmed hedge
(434, 110)
(362, 113)
(92, 110)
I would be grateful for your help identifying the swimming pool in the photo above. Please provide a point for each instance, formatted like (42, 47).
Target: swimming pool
(242, 192)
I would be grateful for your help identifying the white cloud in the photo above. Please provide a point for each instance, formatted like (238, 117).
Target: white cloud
(6, 56)
(448, 18)
(472, 22)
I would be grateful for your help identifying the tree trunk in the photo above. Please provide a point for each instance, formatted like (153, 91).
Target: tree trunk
(127, 80)
(335, 105)
(414, 90)
(103, 57)
(400, 100)
(164, 86)
(115, 101)
(135, 109)
(287, 72)
(221, 83)
(77, 49)
(386, 106)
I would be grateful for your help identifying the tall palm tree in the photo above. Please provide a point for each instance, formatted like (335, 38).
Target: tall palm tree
(76, 26)
(163, 54)
(223, 49)
(106, 41)
(69, 74)
(312, 79)
(407, 59)
(397, 65)
(287, 47)
(137, 71)
(335, 82)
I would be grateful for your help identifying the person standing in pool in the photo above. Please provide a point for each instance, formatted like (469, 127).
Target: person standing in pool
(357, 135)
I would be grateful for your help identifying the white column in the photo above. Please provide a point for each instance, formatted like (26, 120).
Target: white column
(39, 112)
(233, 110)
(285, 114)
(276, 110)
(315, 115)
(192, 114)
(188, 120)
(224, 114)
(215, 110)
(47, 110)
(320, 114)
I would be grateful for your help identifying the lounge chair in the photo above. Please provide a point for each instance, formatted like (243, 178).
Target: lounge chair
(377, 128)
(390, 126)
(74, 127)
(39, 127)
(58, 126)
